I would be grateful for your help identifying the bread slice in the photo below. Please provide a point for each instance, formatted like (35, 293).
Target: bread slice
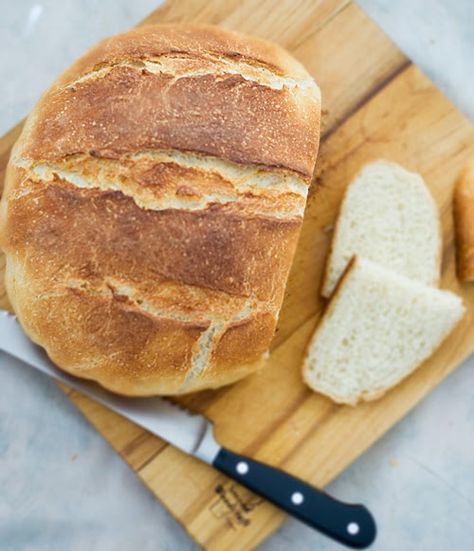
(388, 216)
(378, 327)
(463, 207)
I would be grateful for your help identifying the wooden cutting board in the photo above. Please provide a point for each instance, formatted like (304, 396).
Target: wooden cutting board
(376, 104)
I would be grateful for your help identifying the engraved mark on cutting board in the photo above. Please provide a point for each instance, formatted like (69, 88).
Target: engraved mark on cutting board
(234, 505)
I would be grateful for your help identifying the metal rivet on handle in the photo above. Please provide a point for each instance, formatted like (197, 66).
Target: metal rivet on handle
(242, 467)
(297, 498)
(353, 528)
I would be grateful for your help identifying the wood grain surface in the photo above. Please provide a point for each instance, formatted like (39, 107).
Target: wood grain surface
(376, 104)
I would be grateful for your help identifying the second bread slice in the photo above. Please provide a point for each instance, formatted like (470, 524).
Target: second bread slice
(378, 327)
(388, 216)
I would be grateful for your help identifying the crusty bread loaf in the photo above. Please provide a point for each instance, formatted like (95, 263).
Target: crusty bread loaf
(378, 327)
(153, 203)
(388, 216)
(464, 222)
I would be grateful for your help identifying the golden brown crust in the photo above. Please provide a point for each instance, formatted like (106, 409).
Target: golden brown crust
(263, 126)
(152, 207)
(123, 348)
(58, 225)
(464, 222)
(126, 349)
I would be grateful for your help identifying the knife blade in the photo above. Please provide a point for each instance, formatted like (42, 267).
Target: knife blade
(350, 524)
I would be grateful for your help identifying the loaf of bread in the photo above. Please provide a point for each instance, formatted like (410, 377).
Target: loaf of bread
(388, 216)
(378, 327)
(153, 204)
(464, 222)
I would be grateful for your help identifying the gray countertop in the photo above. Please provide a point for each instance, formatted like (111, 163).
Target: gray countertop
(62, 487)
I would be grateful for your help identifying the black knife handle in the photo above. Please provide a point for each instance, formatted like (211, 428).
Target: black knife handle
(352, 525)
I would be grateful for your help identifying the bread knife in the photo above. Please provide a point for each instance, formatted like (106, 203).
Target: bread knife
(349, 524)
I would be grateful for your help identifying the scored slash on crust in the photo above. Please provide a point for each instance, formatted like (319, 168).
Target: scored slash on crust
(261, 192)
(180, 66)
